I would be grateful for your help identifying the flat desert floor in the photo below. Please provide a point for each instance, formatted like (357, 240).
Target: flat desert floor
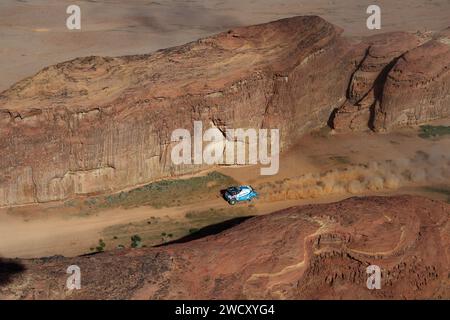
(33, 34)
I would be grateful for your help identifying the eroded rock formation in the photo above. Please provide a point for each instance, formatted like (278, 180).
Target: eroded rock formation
(417, 89)
(97, 124)
(100, 124)
(401, 79)
(308, 252)
(376, 56)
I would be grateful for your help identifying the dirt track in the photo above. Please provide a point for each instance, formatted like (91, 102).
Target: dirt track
(38, 231)
(71, 236)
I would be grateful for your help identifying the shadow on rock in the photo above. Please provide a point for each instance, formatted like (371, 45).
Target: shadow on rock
(9, 269)
(209, 230)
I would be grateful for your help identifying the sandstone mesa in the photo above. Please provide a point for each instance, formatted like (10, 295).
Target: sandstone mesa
(100, 124)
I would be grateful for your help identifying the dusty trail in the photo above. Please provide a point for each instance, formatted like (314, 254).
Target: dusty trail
(36, 231)
(74, 235)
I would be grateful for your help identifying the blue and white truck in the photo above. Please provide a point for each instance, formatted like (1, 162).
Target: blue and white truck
(239, 194)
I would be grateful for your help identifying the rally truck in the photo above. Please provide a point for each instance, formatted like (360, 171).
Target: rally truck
(238, 194)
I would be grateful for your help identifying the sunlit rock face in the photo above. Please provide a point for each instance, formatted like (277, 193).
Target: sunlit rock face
(402, 79)
(99, 124)
(417, 89)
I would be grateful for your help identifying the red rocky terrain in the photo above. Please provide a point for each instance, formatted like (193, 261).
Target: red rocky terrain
(307, 252)
(99, 124)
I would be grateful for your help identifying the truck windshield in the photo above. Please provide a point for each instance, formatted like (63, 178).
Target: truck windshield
(233, 190)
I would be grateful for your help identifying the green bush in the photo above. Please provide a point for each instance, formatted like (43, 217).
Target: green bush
(101, 246)
(136, 241)
(429, 132)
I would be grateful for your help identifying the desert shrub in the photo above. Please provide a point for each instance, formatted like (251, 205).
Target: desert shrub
(90, 202)
(429, 132)
(165, 193)
(136, 241)
(101, 246)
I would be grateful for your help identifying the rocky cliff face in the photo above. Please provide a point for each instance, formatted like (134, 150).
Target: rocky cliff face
(309, 252)
(401, 79)
(417, 89)
(97, 124)
(376, 56)
(100, 124)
